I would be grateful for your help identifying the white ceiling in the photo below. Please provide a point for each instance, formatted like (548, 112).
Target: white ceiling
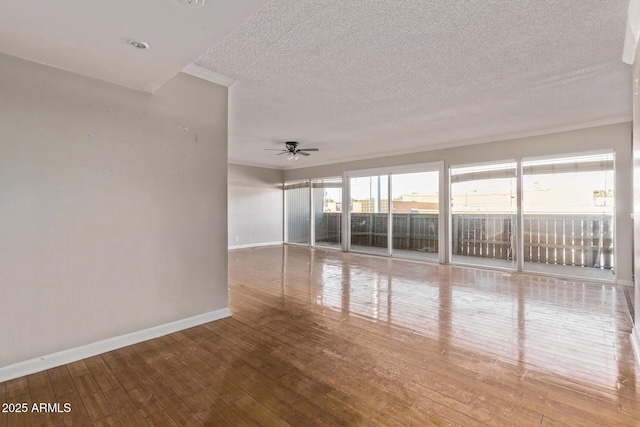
(90, 37)
(364, 78)
(355, 78)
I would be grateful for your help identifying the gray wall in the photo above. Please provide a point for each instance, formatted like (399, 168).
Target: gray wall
(255, 206)
(616, 136)
(113, 207)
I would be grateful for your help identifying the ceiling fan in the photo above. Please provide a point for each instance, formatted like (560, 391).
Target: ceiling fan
(292, 151)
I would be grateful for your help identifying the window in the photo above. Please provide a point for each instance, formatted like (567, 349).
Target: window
(369, 214)
(415, 207)
(327, 212)
(483, 214)
(313, 212)
(563, 223)
(396, 211)
(568, 215)
(297, 211)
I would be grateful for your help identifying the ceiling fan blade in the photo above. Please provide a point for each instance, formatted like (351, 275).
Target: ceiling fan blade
(275, 149)
(283, 152)
(303, 154)
(308, 149)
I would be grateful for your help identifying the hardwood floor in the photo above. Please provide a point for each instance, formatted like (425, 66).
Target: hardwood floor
(320, 337)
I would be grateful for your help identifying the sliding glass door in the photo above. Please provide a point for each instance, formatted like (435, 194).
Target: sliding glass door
(327, 212)
(313, 212)
(369, 214)
(568, 215)
(396, 211)
(552, 215)
(415, 210)
(297, 212)
(483, 215)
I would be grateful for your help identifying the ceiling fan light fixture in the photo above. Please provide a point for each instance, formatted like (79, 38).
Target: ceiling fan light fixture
(292, 151)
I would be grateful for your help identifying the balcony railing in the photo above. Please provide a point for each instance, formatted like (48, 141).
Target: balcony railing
(570, 239)
(557, 239)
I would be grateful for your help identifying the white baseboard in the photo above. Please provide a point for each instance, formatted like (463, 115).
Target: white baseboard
(624, 282)
(256, 245)
(635, 340)
(53, 360)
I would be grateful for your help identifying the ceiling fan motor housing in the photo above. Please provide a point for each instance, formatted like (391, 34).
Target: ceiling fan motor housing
(291, 145)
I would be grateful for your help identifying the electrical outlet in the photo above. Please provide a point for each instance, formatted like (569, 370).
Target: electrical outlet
(237, 238)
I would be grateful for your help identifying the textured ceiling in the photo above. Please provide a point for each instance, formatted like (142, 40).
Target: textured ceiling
(363, 78)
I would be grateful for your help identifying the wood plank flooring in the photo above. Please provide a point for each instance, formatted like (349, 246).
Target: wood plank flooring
(324, 338)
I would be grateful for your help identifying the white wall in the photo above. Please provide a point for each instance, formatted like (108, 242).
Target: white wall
(113, 207)
(616, 136)
(255, 206)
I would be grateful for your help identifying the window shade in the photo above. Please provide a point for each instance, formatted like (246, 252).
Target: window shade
(593, 163)
(296, 184)
(327, 183)
(474, 173)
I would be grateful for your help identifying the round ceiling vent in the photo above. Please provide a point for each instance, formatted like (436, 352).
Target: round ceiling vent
(191, 3)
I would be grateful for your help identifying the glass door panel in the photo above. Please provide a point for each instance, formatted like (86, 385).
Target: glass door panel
(327, 212)
(369, 214)
(415, 215)
(483, 215)
(297, 210)
(568, 216)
